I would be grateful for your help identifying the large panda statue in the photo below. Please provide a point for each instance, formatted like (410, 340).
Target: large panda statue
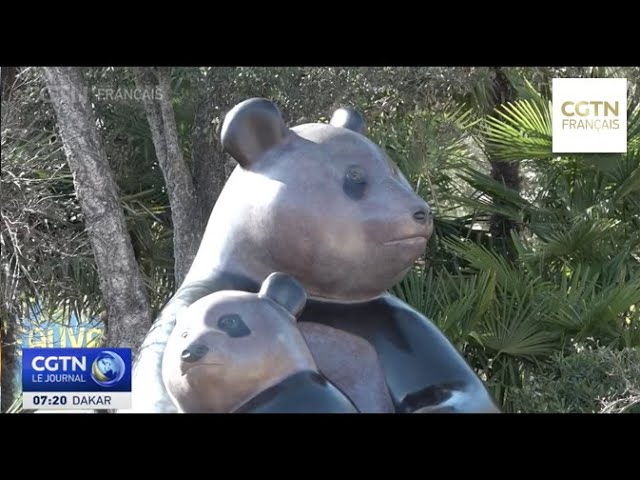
(324, 205)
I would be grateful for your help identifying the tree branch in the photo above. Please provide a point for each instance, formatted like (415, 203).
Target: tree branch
(177, 176)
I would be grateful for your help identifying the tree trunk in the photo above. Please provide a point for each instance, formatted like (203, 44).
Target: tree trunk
(208, 164)
(507, 173)
(121, 284)
(10, 345)
(7, 80)
(177, 176)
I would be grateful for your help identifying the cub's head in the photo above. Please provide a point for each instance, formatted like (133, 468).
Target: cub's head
(229, 346)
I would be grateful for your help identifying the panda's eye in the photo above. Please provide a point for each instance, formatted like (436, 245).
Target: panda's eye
(356, 174)
(228, 321)
(355, 182)
(233, 325)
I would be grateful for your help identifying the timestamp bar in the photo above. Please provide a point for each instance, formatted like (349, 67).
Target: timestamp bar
(76, 400)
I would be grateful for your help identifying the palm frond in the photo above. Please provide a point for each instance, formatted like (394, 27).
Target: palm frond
(630, 181)
(516, 325)
(416, 288)
(633, 125)
(583, 235)
(520, 130)
(482, 259)
(489, 186)
(603, 313)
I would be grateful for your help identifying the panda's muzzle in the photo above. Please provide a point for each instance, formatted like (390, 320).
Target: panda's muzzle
(421, 216)
(194, 352)
(194, 357)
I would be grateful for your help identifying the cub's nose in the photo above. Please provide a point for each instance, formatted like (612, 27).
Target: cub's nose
(422, 215)
(194, 352)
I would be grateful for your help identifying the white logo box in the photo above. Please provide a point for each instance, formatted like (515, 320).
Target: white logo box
(589, 115)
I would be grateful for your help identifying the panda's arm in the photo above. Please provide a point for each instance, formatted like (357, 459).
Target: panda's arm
(424, 371)
(304, 392)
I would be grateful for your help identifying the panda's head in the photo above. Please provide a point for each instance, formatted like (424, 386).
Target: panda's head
(322, 202)
(231, 345)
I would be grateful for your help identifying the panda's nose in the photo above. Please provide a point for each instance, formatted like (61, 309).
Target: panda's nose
(422, 215)
(194, 352)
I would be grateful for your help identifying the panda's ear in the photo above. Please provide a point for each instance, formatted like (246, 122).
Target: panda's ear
(286, 291)
(250, 129)
(349, 118)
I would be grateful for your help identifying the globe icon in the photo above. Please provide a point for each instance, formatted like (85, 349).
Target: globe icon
(107, 369)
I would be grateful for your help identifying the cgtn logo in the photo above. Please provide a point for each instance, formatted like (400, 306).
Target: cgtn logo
(589, 115)
(76, 378)
(108, 369)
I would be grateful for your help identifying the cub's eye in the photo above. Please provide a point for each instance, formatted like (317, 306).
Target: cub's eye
(355, 182)
(356, 174)
(184, 334)
(228, 321)
(233, 325)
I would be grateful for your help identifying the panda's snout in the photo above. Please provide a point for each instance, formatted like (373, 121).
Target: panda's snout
(423, 214)
(194, 352)
(420, 216)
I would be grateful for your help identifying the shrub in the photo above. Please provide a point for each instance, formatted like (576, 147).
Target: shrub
(601, 380)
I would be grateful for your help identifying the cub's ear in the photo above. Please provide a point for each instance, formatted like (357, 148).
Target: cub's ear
(286, 291)
(251, 128)
(349, 118)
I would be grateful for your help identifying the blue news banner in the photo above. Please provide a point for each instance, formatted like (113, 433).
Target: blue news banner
(76, 378)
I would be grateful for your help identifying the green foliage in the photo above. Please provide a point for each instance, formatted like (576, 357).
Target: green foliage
(521, 131)
(44, 249)
(575, 275)
(599, 380)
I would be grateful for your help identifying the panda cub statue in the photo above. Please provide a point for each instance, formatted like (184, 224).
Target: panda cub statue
(230, 346)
